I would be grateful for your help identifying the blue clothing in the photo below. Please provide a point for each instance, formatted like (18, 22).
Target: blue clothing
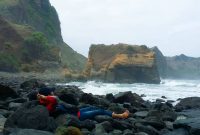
(85, 113)
(91, 112)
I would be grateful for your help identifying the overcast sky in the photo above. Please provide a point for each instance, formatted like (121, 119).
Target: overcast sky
(171, 25)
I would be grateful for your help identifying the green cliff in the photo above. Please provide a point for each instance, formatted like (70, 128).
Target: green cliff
(31, 28)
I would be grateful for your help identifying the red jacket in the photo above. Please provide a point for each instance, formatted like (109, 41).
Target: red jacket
(50, 102)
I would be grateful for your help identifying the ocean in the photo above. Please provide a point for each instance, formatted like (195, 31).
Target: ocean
(171, 89)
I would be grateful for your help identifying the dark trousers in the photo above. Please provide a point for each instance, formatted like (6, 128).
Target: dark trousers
(86, 113)
(91, 112)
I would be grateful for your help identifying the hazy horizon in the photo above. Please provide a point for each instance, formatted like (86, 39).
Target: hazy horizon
(171, 25)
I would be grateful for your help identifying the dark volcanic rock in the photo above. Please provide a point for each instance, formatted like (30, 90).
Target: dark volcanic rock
(70, 94)
(179, 131)
(88, 99)
(189, 119)
(30, 132)
(141, 114)
(102, 118)
(121, 125)
(31, 116)
(128, 97)
(32, 84)
(154, 122)
(188, 103)
(192, 124)
(6, 92)
(147, 129)
(102, 128)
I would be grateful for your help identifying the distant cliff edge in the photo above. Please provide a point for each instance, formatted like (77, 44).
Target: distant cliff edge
(177, 67)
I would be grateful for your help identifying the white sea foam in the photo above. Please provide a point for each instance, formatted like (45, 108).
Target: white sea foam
(171, 89)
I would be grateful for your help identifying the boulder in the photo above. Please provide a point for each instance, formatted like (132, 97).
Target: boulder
(88, 99)
(110, 97)
(102, 118)
(70, 120)
(2, 122)
(75, 122)
(121, 125)
(4, 112)
(6, 92)
(155, 122)
(179, 131)
(107, 126)
(30, 132)
(128, 132)
(14, 106)
(67, 130)
(99, 129)
(141, 114)
(128, 97)
(31, 116)
(32, 84)
(163, 115)
(188, 103)
(146, 129)
(88, 124)
(193, 124)
(141, 133)
(85, 131)
(116, 132)
(70, 94)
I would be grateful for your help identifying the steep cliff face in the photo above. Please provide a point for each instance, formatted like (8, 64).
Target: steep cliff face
(122, 63)
(160, 62)
(183, 66)
(37, 13)
(20, 47)
(27, 18)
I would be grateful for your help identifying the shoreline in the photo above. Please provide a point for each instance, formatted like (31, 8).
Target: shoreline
(151, 118)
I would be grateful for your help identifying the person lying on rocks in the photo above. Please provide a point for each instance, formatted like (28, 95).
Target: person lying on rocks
(55, 107)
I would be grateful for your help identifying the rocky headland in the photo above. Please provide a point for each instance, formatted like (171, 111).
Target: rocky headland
(19, 115)
(122, 63)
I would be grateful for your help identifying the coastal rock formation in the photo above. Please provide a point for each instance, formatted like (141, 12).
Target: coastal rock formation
(160, 62)
(122, 63)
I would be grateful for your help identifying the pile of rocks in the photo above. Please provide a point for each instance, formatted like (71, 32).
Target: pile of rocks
(20, 116)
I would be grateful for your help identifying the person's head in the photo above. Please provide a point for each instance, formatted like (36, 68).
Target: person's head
(47, 91)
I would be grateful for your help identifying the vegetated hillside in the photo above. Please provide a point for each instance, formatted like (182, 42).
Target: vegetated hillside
(37, 20)
(21, 48)
(122, 63)
(183, 66)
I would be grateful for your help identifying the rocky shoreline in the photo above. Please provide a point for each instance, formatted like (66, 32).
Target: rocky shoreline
(19, 116)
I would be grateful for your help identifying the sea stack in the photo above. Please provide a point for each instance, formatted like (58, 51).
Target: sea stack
(122, 63)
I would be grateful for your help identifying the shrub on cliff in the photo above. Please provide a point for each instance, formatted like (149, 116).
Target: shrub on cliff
(8, 63)
(35, 46)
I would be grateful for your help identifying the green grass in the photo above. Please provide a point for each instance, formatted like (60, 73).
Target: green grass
(9, 62)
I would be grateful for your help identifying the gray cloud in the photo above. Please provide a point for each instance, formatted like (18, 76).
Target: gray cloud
(172, 25)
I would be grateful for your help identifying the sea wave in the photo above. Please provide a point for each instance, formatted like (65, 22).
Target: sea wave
(171, 89)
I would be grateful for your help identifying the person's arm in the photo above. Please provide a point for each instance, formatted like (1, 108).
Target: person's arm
(39, 96)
